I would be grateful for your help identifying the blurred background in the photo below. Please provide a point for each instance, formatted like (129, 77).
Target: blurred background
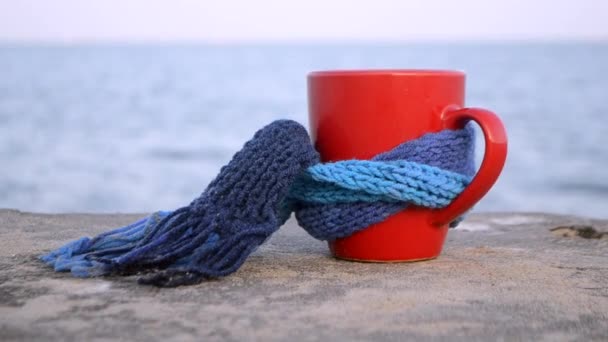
(134, 105)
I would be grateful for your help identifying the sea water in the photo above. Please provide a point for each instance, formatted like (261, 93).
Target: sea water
(134, 128)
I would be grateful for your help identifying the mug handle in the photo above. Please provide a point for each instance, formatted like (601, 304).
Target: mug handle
(493, 161)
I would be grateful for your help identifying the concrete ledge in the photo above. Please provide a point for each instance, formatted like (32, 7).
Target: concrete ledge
(501, 276)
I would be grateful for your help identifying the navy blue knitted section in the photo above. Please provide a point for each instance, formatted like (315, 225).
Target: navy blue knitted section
(449, 150)
(237, 212)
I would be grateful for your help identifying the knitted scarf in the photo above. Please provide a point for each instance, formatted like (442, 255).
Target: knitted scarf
(276, 173)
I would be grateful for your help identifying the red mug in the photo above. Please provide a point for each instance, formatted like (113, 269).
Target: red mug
(356, 114)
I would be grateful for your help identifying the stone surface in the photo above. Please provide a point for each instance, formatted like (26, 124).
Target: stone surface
(501, 276)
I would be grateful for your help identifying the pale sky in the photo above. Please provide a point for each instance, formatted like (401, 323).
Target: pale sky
(304, 20)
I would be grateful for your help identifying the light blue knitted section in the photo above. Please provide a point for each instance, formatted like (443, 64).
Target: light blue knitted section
(371, 181)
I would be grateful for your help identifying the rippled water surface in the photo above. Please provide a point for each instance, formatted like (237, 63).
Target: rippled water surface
(140, 128)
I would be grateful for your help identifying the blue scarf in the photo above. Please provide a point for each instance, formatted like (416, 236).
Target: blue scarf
(276, 173)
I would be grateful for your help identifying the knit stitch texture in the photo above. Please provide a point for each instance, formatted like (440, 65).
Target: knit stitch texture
(276, 173)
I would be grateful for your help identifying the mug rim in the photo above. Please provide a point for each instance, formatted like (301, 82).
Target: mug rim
(386, 72)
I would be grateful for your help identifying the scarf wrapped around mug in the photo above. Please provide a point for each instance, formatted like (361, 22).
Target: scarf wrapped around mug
(275, 173)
